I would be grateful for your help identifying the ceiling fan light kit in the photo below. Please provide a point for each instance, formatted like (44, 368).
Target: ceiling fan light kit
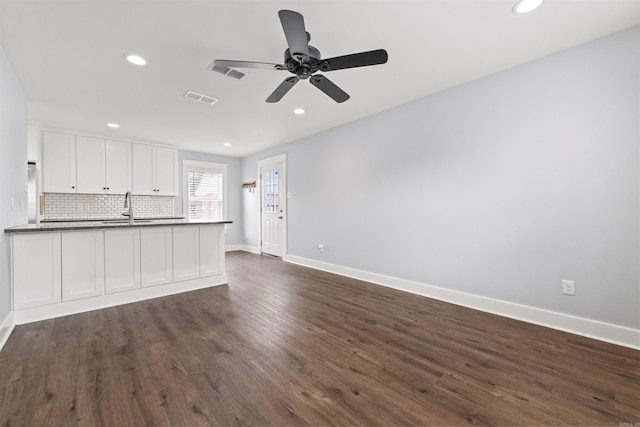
(304, 60)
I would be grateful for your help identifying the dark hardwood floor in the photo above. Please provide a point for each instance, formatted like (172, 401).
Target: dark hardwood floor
(285, 345)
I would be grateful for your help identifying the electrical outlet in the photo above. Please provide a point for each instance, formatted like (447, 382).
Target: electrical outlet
(320, 247)
(568, 287)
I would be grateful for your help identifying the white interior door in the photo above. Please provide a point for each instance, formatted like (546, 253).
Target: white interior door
(273, 204)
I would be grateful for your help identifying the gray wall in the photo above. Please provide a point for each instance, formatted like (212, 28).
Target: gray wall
(13, 169)
(501, 187)
(234, 201)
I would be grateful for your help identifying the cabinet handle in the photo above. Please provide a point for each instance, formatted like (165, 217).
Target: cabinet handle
(108, 188)
(73, 186)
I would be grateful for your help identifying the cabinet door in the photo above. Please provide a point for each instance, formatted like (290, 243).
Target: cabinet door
(90, 165)
(186, 253)
(143, 180)
(36, 269)
(121, 260)
(82, 264)
(211, 250)
(118, 166)
(59, 163)
(155, 256)
(33, 143)
(165, 171)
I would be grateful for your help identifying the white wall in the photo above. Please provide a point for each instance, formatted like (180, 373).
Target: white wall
(234, 183)
(13, 170)
(501, 187)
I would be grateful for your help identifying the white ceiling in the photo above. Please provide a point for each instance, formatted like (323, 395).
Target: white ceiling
(68, 56)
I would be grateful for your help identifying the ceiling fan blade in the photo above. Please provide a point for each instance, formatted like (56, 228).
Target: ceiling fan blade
(282, 90)
(362, 59)
(227, 63)
(294, 31)
(328, 87)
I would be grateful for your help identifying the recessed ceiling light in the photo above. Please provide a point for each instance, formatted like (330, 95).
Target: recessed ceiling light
(298, 111)
(113, 125)
(227, 144)
(526, 6)
(135, 59)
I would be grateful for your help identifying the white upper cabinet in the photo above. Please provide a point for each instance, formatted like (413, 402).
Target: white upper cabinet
(154, 170)
(143, 180)
(117, 166)
(90, 165)
(165, 170)
(103, 166)
(59, 162)
(33, 143)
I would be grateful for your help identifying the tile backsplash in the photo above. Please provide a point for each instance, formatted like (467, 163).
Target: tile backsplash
(58, 206)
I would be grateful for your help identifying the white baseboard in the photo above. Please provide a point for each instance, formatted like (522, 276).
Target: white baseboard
(615, 334)
(230, 248)
(6, 328)
(35, 314)
(251, 249)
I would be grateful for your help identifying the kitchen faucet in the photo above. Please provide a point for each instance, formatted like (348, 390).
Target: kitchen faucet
(128, 204)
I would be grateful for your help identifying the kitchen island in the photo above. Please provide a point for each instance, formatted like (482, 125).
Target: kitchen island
(62, 268)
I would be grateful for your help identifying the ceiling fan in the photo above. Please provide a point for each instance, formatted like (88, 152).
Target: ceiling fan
(303, 60)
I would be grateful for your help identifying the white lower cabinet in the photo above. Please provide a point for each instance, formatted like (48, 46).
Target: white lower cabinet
(156, 250)
(82, 264)
(121, 260)
(211, 250)
(36, 269)
(57, 273)
(186, 253)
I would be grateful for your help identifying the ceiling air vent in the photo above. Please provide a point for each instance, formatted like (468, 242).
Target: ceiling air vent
(220, 69)
(235, 74)
(227, 71)
(200, 97)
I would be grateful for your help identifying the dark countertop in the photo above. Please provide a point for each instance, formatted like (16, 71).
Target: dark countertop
(103, 225)
(118, 218)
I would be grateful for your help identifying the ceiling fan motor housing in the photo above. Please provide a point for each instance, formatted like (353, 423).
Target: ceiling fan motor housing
(308, 66)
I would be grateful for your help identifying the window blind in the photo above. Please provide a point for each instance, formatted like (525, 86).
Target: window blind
(205, 194)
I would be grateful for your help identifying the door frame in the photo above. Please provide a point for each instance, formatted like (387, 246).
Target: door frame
(282, 159)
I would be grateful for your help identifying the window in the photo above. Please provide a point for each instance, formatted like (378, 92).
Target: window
(204, 190)
(271, 193)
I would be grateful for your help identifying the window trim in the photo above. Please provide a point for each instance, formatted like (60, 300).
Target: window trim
(211, 166)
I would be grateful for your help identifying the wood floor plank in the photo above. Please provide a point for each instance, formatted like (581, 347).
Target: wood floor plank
(284, 345)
